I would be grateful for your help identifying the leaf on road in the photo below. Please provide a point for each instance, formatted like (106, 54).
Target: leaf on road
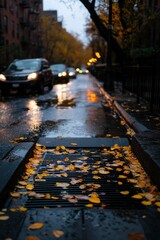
(157, 204)
(137, 196)
(146, 203)
(124, 192)
(29, 186)
(136, 236)
(74, 144)
(37, 225)
(94, 198)
(62, 184)
(32, 238)
(4, 218)
(57, 233)
(15, 194)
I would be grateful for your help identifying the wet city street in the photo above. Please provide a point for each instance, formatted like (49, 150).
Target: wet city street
(71, 172)
(75, 109)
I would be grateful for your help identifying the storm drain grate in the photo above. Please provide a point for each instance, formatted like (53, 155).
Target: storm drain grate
(72, 178)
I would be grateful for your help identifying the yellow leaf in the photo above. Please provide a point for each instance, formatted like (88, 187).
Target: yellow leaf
(30, 187)
(96, 177)
(157, 204)
(32, 238)
(123, 122)
(63, 147)
(23, 183)
(124, 192)
(15, 194)
(94, 198)
(62, 184)
(120, 183)
(37, 225)
(71, 167)
(47, 195)
(102, 171)
(57, 233)
(4, 218)
(137, 196)
(74, 144)
(122, 176)
(146, 203)
(90, 205)
(22, 209)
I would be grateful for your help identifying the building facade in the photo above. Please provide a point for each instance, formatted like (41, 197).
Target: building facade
(19, 29)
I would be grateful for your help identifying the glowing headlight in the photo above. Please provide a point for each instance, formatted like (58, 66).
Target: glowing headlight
(63, 74)
(2, 77)
(32, 76)
(59, 74)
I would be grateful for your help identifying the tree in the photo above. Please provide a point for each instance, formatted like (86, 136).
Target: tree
(131, 21)
(59, 46)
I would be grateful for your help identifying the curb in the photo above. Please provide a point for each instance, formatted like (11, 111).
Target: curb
(132, 122)
(148, 154)
(11, 166)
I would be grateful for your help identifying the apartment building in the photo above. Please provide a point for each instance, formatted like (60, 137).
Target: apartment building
(19, 29)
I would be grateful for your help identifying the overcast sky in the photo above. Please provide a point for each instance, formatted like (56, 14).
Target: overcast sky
(74, 18)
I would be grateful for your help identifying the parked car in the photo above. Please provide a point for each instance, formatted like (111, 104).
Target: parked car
(60, 73)
(33, 74)
(72, 72)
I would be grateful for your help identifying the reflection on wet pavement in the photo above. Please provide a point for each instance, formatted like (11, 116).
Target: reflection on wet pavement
(79, 112)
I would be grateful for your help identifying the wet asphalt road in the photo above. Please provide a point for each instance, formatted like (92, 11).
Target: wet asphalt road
(74, 109)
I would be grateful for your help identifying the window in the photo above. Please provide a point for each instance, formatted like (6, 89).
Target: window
(17, 10)
(11, 6)
(5, 23)
(13, 28)
(17, 31)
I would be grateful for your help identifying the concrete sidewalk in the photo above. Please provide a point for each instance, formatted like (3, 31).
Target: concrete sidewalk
(146, 140)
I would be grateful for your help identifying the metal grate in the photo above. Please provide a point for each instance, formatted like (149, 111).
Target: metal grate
(109, 190)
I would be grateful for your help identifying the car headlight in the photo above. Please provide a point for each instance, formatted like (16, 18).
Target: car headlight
(2, 77)
(32, 76)
(62, 74)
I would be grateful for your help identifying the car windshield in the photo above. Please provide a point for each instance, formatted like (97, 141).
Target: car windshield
(71, 69)
(27, 64)
(58, 67)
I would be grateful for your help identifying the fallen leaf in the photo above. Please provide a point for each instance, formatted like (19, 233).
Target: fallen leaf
(15, 194)
(124, 192)
(94, 198)
(136, 236)
(146, 203)
(122, 176)
(37, 225)
(57, 233)
(137, 196)
(29, 186)
(4, 218)
(157, 204)
(74, 144)
(62, 184)
(22, 209)
(32, 238)
(89, 205)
